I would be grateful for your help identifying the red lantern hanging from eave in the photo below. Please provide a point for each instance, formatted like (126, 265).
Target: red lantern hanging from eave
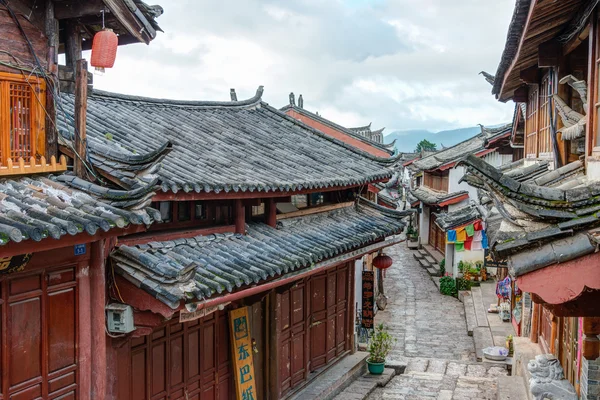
(104, 49)
(382, 261)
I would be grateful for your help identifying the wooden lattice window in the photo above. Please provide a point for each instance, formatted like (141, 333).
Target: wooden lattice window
(531, 124)
(545, 140)
(22, 117)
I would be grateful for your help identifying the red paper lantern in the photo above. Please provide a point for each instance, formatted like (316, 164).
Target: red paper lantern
(104, 49)
(382, 261)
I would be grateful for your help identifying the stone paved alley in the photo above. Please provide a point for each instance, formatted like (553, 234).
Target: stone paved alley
(432, 339)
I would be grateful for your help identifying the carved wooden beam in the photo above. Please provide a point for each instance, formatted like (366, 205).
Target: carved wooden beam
(530, 75)
(521, 94)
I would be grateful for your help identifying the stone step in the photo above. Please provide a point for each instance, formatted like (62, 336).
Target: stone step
(480, 309)
(364, 385)
(482, 337)
(334, 380)
(423, 263)
(418, 257)
(430, 260)
(470, 318)
(423, 252)
(511, 388)
(437, 366)
(433, 271)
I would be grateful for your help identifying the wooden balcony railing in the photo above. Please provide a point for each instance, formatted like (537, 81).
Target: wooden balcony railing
(21, 167)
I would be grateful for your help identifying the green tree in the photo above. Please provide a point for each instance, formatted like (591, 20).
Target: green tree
(425, 145)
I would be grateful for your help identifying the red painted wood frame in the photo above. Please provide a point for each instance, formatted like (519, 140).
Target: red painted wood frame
(46, 351)
(314, 326)
(178, 361)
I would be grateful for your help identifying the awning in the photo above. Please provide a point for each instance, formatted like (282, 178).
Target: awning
(570, 288)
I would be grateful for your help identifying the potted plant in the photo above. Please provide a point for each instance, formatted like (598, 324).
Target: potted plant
(461, 268)
(379, 347)
(509, 345)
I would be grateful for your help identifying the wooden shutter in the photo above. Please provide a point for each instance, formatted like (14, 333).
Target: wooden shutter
(22, 117)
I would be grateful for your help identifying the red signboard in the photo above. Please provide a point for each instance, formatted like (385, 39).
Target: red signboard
(368, 299)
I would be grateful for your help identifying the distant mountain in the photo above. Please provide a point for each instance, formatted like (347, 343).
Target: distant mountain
(406, 141)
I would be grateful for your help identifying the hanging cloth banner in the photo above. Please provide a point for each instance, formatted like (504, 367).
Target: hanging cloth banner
(451, 236)
(241, 346)
(470, 229)
(461, 235)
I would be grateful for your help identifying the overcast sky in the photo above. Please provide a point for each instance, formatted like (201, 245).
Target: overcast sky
(402, 64)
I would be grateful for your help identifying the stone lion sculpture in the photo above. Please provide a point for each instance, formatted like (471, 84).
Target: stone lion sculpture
(548, 380)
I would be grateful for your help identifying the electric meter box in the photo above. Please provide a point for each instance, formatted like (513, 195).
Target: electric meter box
(119, 318)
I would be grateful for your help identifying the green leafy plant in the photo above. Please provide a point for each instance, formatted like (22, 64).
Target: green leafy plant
(425, 145)
(381, 344)
(448, 286)
(463, 284)
(443, 267)
(461, 266)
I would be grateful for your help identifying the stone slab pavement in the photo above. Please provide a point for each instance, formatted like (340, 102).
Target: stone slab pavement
(425, 322)
(433, 342)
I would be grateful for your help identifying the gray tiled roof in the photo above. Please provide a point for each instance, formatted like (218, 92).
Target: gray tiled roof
(228, 146)
(470, 146)
(431, 197)
(354, 132)
(533, 214)
(200, 267)
(460, 216)
(38, 207)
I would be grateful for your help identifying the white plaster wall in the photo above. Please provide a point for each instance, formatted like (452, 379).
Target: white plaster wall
(424, 224)
(358, 268)
(467, 255)
(450, 260)
(453, 186)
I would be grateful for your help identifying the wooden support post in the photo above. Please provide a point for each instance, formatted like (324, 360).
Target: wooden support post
(72, 44)
(98, 323)
(554, 335)
(591, 343)
(271, 212)
(535, 322)
(274, 350)
(80, 117)
(240, 214)
(51, 28)
(85, 339)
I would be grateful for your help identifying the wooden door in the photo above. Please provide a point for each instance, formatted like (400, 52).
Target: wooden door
(189, 361)
(328, 316)
(291, 317)
(568, 348)
(318, 321)
(545, 327)
(39, 341)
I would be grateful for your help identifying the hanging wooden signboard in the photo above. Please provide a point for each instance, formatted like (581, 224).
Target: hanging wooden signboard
(368, 299)
(491, 262)
(18, 263)
(241, 346)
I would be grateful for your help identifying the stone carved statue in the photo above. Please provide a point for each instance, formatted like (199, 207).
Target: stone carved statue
(548, 380)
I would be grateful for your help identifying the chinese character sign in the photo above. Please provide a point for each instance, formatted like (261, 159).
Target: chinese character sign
(368, 298)
(491, 262)
(9, 265)
(241, 345)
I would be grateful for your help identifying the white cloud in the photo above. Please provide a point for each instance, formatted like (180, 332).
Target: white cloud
(403, 64)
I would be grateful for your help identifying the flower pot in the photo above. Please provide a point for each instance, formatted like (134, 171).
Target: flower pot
(375, 368)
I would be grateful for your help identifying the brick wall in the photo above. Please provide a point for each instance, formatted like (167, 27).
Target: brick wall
(590, 379)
